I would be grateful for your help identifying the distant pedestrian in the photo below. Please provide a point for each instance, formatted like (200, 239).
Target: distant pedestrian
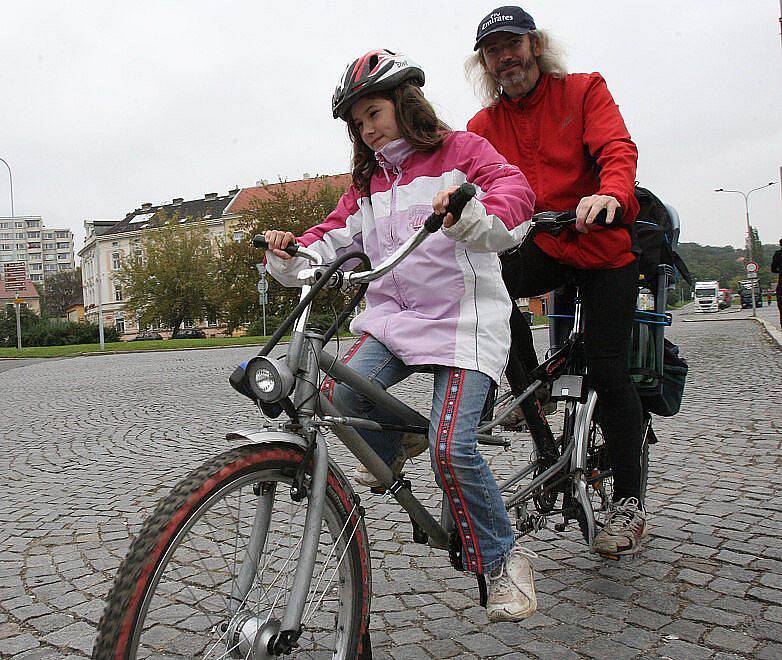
(776, 267)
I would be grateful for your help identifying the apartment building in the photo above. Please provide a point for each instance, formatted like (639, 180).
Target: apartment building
(107, 242)
(43, 250)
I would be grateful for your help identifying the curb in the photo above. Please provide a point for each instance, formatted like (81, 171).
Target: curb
(771, 331)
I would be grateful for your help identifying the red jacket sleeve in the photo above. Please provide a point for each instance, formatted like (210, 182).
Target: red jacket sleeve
(608, 140)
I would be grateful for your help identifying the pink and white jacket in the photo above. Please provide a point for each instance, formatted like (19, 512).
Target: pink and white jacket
(445, 304)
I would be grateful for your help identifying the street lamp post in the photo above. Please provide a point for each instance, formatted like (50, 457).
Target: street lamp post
(746, 195)
(17, 302)
(11, 179)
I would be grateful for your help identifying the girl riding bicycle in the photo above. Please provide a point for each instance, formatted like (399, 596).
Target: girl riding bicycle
(444, 308)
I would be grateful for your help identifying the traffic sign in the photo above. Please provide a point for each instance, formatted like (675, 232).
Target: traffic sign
(263, 286)
(262, 299)
(751, 267)
(752, 275)
(18, 301)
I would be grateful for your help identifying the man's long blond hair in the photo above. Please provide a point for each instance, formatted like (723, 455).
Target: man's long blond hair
(551, 61)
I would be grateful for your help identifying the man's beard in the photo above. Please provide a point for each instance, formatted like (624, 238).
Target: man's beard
(519, 77)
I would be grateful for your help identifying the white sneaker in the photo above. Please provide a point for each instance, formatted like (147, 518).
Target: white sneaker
(512, 587)
(624, 531)
(413, 444)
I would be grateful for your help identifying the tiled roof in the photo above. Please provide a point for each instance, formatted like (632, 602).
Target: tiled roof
(28, 291)
(150, 215)
(244, 200)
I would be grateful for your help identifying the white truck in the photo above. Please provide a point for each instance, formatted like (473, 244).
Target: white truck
(707, 296)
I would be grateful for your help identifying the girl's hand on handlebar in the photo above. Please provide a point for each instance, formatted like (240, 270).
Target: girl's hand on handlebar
(278, 240)
(440, 204)
(590, 206)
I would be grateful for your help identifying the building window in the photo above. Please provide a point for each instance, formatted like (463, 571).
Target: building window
(63, 256)
(20, 234)
(5, 246)
(49, 267)
(19, 225)
(48, 246)
(34, 257)
(36, 277)
(62, 234)
(33, 246)
(48, 234)
(35, 266)
(33, 223)
(5, 225)
(119, 325)
(63, 246)
(118, 293)
(238, 236)
(115, 260)
(21, 246)
(33, 234)
(212, 321)
(48, 257)
(65, 266)
(5, 237)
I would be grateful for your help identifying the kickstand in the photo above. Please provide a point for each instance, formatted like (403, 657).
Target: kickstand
(483, 594)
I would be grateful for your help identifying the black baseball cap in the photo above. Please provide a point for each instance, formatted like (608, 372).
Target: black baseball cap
(504, 19)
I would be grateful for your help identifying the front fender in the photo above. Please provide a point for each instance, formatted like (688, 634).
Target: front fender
(267, 436)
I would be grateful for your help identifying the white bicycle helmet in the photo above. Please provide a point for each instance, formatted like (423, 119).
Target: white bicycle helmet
(376, 71)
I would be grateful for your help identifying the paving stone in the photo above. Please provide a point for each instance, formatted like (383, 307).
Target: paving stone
(83, 474)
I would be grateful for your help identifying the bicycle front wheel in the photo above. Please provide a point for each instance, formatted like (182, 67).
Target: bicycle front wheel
(212, 567)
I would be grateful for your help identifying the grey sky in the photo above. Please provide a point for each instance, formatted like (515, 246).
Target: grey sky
(107, 105)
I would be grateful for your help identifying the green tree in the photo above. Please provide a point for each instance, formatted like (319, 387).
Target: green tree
(757, 247)
(173, 278)
(237, 274)
(59, 291)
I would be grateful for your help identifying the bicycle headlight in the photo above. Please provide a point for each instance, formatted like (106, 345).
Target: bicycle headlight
(269, 379)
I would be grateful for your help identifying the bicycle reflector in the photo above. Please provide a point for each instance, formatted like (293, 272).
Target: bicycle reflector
(269, 379)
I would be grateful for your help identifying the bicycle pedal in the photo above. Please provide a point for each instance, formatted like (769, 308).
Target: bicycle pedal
(378, 490)
(609, 556)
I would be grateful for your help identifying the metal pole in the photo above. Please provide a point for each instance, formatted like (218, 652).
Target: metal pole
(100, 298)
(11, 179)
(749, 248)
(18, 326)
(263, 306)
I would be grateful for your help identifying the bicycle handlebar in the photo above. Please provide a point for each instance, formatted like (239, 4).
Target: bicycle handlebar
(260, 242)
(553, 222)
(456, 204)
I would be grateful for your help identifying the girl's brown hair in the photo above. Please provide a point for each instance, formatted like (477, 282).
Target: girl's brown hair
(418, 123)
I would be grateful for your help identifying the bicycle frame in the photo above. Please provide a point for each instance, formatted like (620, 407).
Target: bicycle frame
(307, 358)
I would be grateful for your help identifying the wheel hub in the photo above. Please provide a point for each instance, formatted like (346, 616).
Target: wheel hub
(248, 636)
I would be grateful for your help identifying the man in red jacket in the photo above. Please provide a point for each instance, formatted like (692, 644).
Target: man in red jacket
(566, 134)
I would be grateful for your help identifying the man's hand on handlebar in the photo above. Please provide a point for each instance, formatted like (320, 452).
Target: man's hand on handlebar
(440, 204)
(278, 240)
(590, 206)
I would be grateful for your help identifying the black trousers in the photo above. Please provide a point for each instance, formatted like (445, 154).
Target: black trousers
(608, 304)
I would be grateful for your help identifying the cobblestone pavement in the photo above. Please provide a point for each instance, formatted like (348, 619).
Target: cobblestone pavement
(89, 444)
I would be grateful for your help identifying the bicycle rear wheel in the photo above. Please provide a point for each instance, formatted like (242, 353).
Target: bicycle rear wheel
(176, 596)
(599, 477)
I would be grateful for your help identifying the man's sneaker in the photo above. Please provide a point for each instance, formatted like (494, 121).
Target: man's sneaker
(512, 587)
(413, 444)
(624, 529)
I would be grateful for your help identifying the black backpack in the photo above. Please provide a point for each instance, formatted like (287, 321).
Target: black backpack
(656, 234)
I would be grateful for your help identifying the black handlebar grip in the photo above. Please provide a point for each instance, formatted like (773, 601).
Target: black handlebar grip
(456, 204)
(260, 242)
(600, 218)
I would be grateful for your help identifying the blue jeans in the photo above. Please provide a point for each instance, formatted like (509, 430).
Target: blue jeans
(457, 401)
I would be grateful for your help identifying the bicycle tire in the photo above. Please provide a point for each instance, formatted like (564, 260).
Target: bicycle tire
(124, 630)
(601, 489)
